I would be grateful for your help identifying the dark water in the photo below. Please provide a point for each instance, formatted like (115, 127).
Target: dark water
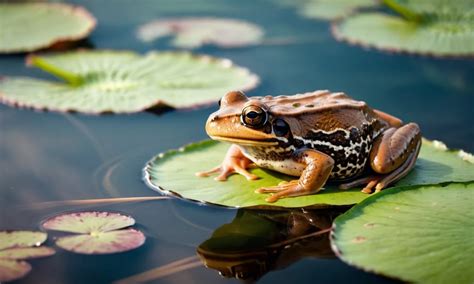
(53, 157)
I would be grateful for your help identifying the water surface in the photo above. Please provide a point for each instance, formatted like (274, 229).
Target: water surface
(53, 157)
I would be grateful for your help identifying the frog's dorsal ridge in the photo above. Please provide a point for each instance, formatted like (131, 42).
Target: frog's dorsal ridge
(317, 101)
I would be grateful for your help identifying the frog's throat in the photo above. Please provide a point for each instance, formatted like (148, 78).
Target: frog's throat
(246, 142)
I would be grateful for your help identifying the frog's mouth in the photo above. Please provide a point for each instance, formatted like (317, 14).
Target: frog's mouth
(246, 142)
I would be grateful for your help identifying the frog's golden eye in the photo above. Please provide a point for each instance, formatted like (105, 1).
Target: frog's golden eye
(254, 116)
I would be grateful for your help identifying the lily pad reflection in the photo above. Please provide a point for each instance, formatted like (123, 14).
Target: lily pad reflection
(257, 242)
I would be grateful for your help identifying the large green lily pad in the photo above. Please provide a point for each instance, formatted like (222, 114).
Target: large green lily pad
(125, 82)
(195, 32)
(32, 26)
(174, 173)
(418, 234)
(438, 28)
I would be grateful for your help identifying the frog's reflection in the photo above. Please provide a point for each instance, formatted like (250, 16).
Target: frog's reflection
(256, 241)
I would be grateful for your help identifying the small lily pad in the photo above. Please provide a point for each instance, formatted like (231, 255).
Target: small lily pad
(448, 35)
(15, 246)
(420, 234)
(174, 173)
(99, 232)
(125, 82)
(11, 269)
(32, 26)
(196, 32)
(26, 253)
(331, 9)
(12, 239)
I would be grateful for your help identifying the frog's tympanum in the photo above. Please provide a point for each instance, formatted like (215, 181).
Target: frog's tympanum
(314, 136)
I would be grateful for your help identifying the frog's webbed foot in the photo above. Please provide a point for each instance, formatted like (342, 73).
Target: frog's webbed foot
(234, 162)
(317, 170)
(284, 189)
(369, 183)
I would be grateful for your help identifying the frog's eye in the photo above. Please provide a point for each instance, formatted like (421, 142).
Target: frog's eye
(254, 116)
(280, 127)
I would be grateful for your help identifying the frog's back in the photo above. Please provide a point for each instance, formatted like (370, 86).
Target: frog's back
(332, 123)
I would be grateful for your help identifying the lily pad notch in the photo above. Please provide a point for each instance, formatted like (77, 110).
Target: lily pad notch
(32, 26)
(104, 81)
(173, 173)
(96, 232)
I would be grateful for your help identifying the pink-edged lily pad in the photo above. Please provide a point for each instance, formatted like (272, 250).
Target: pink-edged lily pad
(15, 246)
(11, 239)
(196, 32)
(11, 269)
(103, 242)
(99, 232)
(26, 253)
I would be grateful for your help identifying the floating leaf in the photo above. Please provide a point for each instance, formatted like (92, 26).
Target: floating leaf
(11, 269)
(174, 173)
(32, 26)
(332, 9)
(26, 253)
(16, 246)
(196, 32)
(11, 239)
(103, 242)
(125, 82)
(438, 36)
(100, 232)
(88, 222)
(418, 234)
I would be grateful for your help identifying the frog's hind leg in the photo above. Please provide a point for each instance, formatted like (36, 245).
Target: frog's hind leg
(393, 155)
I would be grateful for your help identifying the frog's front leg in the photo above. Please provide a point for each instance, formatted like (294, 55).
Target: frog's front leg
(234, 162)
(314, 176)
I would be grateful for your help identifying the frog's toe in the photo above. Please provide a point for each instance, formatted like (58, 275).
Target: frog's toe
(282, 186)
(209, 172)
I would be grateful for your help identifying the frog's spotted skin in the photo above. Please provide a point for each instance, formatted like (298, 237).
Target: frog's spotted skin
(317, 136)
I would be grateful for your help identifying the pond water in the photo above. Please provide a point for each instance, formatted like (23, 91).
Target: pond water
(54, 157)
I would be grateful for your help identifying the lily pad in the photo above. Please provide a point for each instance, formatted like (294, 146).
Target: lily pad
(438, 36)
(332, 9)
(99, 232)
(26, 253)
(125, 82)
(15, 246)
(196, 32)
(174, 173)
(11, 269)
(32, 26)
(418, 234)
(12, 239)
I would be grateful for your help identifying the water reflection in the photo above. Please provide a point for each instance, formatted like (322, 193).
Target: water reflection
(257, 241)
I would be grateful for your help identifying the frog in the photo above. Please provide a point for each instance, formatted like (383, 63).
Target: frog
(318, 137)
